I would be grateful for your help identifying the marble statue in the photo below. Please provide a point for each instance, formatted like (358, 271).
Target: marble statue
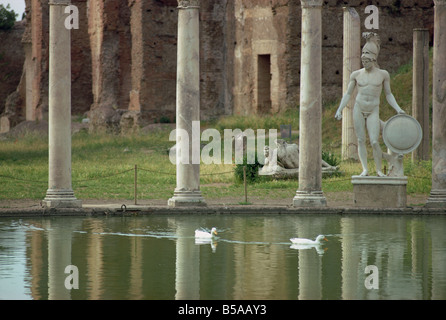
(283, 161)
(287, 154)
(370, 81)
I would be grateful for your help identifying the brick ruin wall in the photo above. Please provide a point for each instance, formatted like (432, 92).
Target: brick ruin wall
(124, 56)
(274, 28)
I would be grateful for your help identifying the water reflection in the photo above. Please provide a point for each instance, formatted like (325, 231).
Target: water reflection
(157, 257)
(187, 263)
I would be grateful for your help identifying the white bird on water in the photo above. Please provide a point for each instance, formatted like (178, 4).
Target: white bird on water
(201, 234)
(303, 241)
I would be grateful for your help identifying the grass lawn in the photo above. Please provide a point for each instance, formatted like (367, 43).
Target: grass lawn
(103, 167)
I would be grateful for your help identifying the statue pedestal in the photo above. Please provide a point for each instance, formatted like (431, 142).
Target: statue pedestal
(379, 192)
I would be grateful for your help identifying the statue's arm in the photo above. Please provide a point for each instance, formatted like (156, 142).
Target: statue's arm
(347, 96)
(389, 96)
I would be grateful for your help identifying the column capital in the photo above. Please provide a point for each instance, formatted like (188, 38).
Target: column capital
(59, 2)
(311, 3)
(352, 12)
(440, 2)
(188, 4)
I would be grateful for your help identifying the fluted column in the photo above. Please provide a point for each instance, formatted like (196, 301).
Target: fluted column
(438, 193)
(310, 193)
(351, 62)
(187, 192)
(420, 96)
(60, 192)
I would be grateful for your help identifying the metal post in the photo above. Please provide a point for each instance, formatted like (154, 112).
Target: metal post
(136, 184)
(244, 182)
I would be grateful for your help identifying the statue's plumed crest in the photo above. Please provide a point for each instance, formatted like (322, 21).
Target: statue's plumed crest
(373, 44)
(188, 3)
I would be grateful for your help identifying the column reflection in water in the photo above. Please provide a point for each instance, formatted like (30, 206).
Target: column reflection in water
(187, 278)
(350, 260)
(418, 257)
(37, 261)
(409, 253)
(310, 275)
(258, 266)
(406, 253)
(136, 265)
(310, 262)
(94, 258)
(438, 240)
(59, 257)
(239, 261)
(253, 259)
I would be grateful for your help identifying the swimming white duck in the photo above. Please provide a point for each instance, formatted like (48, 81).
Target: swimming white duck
(303, 241)
(204, 234)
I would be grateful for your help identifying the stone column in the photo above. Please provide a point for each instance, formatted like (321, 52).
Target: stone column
(438, 193)
(60, 193)
(187, 192)
(310, 193)
(420, 97)
(351, 62)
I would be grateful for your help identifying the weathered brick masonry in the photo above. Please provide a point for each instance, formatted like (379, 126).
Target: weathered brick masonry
(124, 57)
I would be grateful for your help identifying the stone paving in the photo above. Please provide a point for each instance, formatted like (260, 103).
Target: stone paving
(338, 203)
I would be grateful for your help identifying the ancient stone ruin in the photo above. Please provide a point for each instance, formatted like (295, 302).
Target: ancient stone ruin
(124, 57)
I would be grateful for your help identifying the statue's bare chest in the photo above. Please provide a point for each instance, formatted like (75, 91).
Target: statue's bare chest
(365, 79)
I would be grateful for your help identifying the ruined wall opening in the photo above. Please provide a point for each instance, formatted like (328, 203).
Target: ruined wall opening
(264, 83)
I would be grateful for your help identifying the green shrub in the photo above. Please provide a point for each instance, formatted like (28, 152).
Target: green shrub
(330, 158)
(252, 170)
(164, 119)
(7, 17)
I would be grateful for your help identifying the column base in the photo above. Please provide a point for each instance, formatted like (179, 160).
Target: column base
(437, 199)
(61, 198)
(309, 199)
(187, 199)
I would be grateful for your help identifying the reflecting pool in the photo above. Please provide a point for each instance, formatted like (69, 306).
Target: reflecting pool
(157, 257)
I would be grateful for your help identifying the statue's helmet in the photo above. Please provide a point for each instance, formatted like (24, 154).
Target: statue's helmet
(371, 47)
